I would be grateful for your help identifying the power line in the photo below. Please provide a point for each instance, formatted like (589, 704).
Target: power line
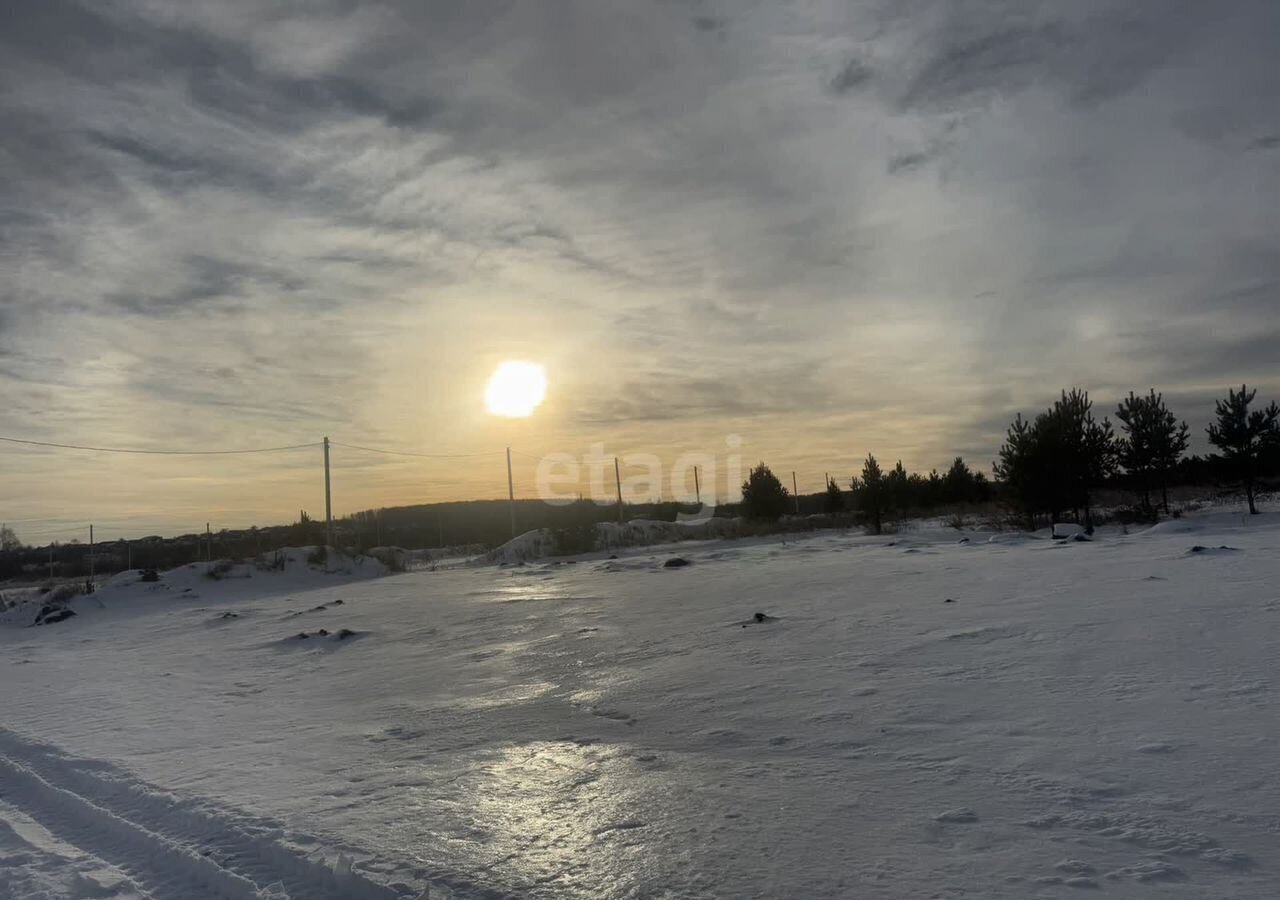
(157, 452)
(68, 530)
(515, 452)
(422, 455)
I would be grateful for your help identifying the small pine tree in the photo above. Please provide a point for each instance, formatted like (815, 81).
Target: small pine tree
(1017, 467)
(1154, 440)
(933, 489)
(1244, 435)
(870, 491)
(897, 486)
(957, 484)
(834, 500)
(763, 495)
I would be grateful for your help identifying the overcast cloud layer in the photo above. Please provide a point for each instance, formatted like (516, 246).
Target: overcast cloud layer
(828, 227)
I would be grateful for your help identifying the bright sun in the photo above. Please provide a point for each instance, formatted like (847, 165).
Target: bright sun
(515, 389)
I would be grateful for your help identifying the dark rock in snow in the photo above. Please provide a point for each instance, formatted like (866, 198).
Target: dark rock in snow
(302, 635)
(51, 614)
(347, 633)
(322, 633)
(948, 600)
(229, 615)
(675, 562)
(337, 602)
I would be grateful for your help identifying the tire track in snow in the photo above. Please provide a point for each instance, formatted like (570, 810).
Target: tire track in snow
(169, 847)
(33, 863)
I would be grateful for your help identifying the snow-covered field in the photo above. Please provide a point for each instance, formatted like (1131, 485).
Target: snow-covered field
(1083, 719)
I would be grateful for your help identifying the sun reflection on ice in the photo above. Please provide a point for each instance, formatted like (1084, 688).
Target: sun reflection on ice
(564, 811)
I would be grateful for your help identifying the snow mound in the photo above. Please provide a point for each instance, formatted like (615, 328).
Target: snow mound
(545, 542)
(1013, 537)
(280, 571)
(531, 545)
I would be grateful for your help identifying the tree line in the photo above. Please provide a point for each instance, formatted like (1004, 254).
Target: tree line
(1050, 464)
(1047, 466)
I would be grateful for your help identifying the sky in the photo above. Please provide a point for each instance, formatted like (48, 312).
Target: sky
(825, 228)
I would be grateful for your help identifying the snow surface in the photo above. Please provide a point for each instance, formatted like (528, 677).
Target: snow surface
(1083, 719)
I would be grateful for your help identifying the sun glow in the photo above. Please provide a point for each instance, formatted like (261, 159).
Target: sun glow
(515, 389)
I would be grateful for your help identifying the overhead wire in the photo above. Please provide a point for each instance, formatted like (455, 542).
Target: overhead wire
(417, 454)
(13, 440)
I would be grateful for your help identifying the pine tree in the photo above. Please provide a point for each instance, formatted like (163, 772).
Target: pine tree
(1052, 463)
(1154, 441)
(957, 484)
(1243, 435)
(1018, 467)
(870, 491)
(763, 495)
(1082, 449)
(933, 489)
(898, 490)
(834, 500)
(981, 488)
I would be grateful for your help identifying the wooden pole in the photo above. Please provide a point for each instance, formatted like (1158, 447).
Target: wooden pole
(91, 560)
(617, 477)
(511, 493)
(328, 499)
(795, 492)
(697, 488)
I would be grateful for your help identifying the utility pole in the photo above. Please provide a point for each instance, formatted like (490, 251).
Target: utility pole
(51, 546)
(91, 560)
(617, 477)
(208, 544)
(795, 491)
(697, 488)
(511, 494)
(328, 499)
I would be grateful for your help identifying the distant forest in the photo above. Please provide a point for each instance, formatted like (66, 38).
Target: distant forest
(1051, 467)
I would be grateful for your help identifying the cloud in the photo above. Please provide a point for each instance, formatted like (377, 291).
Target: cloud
(253, 221)
(853, 74)
(714, 24)
(906, 162)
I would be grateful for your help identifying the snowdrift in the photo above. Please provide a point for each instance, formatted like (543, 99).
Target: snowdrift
(290, 569)
(544, 542)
